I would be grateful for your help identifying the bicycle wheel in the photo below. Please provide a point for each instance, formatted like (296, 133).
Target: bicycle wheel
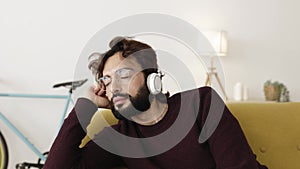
(3, 153)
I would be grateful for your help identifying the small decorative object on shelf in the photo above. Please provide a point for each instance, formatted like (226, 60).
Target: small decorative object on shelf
(284, 94)
(275, 91)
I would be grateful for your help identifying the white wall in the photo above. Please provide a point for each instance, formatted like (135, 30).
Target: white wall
(41, 40)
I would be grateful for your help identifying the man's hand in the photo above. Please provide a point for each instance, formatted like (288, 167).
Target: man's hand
(96, 94)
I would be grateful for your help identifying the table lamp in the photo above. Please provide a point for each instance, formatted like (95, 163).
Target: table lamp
(218, 40)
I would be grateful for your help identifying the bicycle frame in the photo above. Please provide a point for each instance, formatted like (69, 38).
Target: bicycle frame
(36, 96)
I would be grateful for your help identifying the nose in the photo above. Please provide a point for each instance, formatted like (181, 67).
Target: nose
(115, 86)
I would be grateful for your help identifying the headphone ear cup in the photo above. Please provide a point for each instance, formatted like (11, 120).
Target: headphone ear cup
(154, 83)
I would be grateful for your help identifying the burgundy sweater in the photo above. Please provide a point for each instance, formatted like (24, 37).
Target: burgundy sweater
(225, 148)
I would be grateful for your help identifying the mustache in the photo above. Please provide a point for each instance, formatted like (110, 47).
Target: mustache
(120, 95)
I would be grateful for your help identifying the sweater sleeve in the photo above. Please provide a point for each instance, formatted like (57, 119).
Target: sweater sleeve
(227, 141)
(65, 152)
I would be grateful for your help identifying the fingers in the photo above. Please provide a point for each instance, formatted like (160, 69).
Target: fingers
(96, 94)
(99, 90)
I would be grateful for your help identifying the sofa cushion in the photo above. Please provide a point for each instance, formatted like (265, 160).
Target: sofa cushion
(102, 118)
(272, 130)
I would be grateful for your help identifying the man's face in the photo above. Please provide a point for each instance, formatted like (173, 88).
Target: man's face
(125, 86)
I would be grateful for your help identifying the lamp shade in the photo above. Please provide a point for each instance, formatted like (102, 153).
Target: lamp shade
(218, 40)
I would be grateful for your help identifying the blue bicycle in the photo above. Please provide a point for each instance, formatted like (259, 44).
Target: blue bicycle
(4, 155)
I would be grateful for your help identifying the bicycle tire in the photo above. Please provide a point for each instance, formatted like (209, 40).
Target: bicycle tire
(3, 153)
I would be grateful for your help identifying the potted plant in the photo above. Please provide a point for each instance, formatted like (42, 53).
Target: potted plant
(272, 90)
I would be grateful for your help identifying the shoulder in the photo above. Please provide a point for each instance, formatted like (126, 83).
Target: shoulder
(204, 92)
(194, 99)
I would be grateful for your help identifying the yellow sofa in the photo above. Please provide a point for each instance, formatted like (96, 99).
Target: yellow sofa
(272, 130)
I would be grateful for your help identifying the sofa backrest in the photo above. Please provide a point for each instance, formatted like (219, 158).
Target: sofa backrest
(272, 130)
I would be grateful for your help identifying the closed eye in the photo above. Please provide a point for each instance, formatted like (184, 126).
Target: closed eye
(124, 73)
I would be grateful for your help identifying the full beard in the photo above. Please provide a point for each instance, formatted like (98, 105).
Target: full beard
(138, 104)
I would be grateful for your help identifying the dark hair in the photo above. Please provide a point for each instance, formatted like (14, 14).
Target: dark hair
(143, 53)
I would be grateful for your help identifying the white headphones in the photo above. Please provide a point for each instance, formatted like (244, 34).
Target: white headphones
(154, 83)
